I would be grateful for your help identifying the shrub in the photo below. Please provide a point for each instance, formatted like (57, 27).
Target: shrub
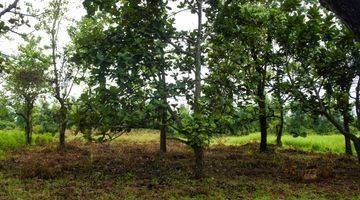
(7, 125)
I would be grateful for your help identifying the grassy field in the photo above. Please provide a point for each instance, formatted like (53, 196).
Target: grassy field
(334, 143)
(313, 143)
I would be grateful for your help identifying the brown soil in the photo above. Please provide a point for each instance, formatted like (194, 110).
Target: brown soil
(232, 172)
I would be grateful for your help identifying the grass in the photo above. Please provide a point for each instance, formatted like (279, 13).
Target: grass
(313, 143)
(141, 136)
(334, 143)
(14, 139)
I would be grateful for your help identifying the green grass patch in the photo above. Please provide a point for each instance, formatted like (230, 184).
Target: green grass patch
(13, 139)
(141, 135)
(314, 143)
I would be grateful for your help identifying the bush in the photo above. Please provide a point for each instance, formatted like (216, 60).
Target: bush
(7, 125)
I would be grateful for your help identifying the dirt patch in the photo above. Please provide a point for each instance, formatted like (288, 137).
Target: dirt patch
(140, 169)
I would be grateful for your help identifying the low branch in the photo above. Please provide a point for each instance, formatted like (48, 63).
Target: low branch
(179, 49)
(179, 140)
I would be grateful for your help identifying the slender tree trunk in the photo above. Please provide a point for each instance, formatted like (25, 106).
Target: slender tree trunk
(263, 127)
(102, 93)
(280, 101)
(343, 103)
(199, 161)
(28, 122)
(28, 131)
(352, 137)
(198, 149)
(281, 127)
(163, 112)
(357, 104)
(346, 121)
(262, 109)
(63, 125)
(198, 87)
(58, 96)
(357, 147)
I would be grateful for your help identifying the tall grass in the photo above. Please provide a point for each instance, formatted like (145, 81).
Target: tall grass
(316, 143)
(12, 139)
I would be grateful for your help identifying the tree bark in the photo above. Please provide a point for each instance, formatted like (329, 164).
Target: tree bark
(63, 125)
(344, 105)
(357, 147)
(28, 131)
(199, 161)
(357, 103)
(163, 111)
(280, 102)
(346, 121)
(197, 93)
(28, 122)
(58, 95)
(261, 98)
(352, 137)
(280, 128)
(198, 149)
(348, 11)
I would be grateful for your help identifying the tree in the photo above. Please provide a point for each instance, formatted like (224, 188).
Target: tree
(323, 66)
(281, 96)
(249, 52)
(64, 74)
(129, 62)
(26, 80)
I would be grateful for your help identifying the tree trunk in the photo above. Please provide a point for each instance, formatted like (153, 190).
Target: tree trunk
(198, 149)
(262, 109)
(346, 121)
(263, 130)
(199, 161)
(163, 148)
(28, 121)
(357, 147)
(344, 105)
(63, 125)
(163, 111)
(198, 63)
(348, 11)
(357, 104)
(281, 127)
(352, 137)
(28, 131)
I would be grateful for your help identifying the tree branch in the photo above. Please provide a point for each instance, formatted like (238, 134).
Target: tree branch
(9, 8)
